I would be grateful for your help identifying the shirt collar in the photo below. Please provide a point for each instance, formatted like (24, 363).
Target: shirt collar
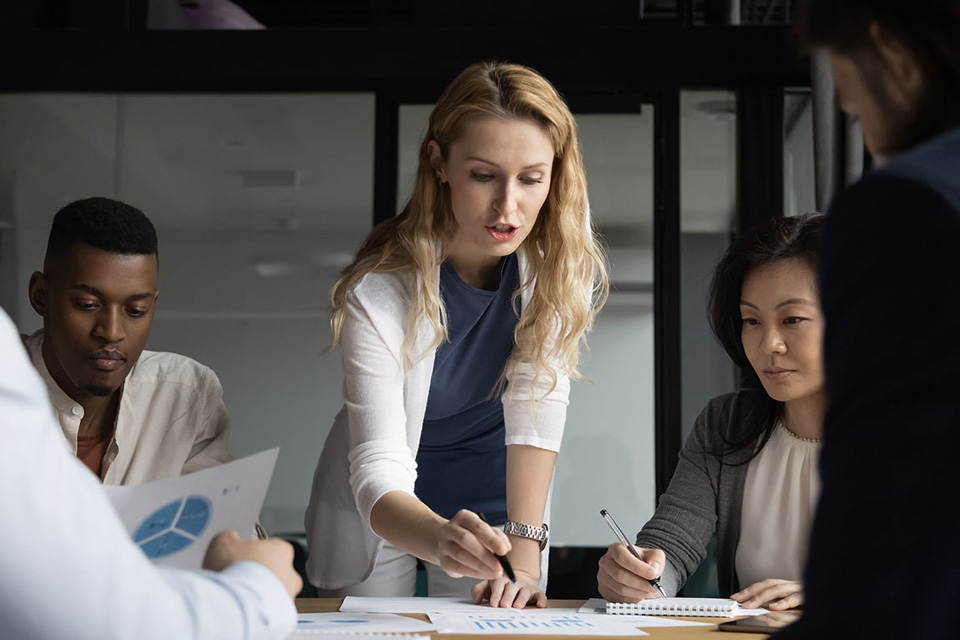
(62, 402)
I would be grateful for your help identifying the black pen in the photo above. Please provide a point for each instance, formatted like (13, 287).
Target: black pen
(507, 569)
(617, 531)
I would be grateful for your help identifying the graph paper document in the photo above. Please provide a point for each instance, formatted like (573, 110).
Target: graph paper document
(372, 604)
(361, 623)
(533, 623)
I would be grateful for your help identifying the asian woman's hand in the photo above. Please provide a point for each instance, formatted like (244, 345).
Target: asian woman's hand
(623, 578)
(772, 593)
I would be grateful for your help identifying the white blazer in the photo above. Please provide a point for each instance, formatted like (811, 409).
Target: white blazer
(372, 447)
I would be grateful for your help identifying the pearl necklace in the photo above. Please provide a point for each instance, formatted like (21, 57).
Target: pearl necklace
(800, 438)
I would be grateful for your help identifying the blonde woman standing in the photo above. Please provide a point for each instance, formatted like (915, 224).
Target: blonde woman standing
(460, 323)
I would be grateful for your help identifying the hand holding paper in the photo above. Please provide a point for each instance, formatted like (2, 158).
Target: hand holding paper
(276, 555)
(173, 521)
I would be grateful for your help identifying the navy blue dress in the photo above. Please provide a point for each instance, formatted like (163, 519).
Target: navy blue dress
(462, 458)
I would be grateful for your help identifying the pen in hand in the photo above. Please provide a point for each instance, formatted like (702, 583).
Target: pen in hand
(617, 531)
(507, 569)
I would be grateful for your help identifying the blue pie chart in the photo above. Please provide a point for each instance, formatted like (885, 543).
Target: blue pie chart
(173, 527)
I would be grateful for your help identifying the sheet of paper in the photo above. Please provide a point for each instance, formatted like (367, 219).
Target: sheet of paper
(522, 622)
(173, 520)
(355, 623)
(300, 634)
(594, 605)
(410, 605)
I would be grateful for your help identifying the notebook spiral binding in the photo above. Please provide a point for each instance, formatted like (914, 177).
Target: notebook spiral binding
(674, 607)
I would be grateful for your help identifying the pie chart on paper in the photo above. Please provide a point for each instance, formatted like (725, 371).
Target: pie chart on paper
(173, 527)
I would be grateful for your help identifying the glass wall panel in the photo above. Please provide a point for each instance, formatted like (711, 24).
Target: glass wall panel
(259, 201)
(799, 177)
(607, 459)
(708, 216)
(56, 148)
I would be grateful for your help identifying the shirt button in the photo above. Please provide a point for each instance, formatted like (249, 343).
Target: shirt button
(77, 411)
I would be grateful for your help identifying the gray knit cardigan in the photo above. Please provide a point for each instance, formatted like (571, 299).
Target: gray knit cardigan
(704, 497)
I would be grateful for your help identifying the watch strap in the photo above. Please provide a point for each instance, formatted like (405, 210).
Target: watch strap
(521, 530)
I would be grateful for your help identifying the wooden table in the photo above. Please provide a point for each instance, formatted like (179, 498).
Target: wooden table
(323, 605)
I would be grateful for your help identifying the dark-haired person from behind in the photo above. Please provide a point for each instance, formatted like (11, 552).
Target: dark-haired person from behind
(129, 415)
(884, 558)
(748, 471)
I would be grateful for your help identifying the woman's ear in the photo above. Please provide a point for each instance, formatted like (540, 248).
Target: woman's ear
(436, 161)
(904, 72)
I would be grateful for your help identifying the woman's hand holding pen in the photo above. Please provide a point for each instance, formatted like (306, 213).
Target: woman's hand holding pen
(623, 578)
(772, 593)
(468, 546)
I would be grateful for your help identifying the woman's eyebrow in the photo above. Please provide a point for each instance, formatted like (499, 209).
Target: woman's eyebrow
(796, 301)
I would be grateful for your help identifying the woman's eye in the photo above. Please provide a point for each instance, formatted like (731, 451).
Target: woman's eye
(481, 177)
(750, 321)
(530, 181)
(793, 320)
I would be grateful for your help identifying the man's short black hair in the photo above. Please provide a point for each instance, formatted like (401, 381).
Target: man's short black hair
(108, 225)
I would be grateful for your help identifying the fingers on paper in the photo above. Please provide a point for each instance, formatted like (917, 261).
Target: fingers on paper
(503, 593)
(774, 593)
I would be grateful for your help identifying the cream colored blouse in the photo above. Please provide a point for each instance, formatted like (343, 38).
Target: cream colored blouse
(779, 498)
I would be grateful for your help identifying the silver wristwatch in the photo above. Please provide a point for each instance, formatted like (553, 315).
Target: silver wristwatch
(540, 534)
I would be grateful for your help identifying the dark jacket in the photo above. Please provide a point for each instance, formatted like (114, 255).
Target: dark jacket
(884, 556)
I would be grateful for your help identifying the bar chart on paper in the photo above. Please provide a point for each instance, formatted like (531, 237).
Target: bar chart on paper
(500, 624)
(532, 622)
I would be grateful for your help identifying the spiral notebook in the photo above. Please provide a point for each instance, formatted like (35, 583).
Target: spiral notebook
(711, 607)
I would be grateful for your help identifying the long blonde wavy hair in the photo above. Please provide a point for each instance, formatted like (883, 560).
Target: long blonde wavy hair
(565, 257)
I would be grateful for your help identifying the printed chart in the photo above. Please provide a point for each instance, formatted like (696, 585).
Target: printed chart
(551, 623)
(174, 526)
(174, 520)
(533, 623)
(361, 623)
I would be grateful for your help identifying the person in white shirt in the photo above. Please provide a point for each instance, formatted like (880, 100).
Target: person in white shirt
(131, 416)
(68, 569)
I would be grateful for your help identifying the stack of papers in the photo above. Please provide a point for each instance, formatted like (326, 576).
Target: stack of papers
(461, 616)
